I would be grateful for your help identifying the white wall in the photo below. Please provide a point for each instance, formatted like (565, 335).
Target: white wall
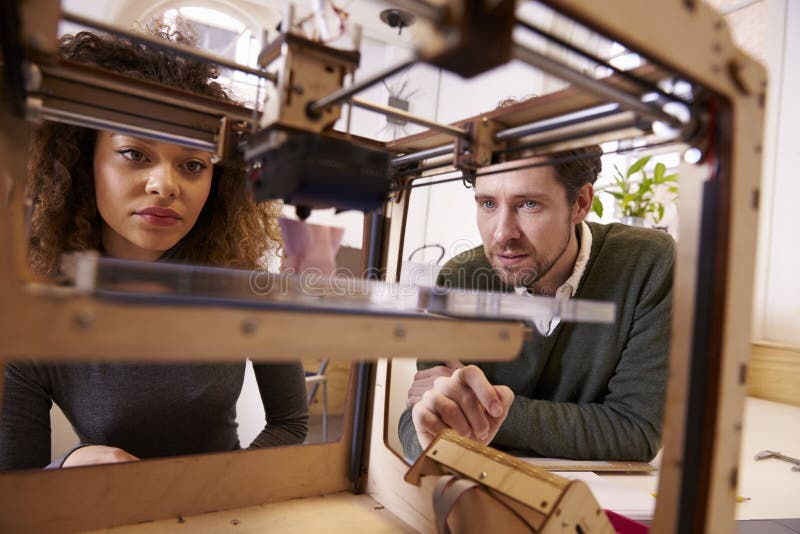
(777, 311)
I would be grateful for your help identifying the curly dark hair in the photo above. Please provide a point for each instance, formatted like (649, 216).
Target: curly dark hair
(573, 168)
(231, 231)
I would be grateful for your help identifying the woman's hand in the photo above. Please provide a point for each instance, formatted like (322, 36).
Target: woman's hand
(98, 454)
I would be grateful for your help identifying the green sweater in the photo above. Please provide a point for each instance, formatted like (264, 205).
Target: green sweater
(587, 391)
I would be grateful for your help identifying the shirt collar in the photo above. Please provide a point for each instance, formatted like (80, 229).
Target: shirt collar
(585, 250)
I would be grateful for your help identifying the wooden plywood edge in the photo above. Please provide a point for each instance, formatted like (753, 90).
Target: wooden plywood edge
(386, 470)
(78, 328)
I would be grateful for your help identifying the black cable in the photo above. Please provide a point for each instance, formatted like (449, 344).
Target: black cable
(416, 170)
(432, 245)
(364, 368)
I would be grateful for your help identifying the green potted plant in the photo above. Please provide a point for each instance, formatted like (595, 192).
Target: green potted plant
(636, 196)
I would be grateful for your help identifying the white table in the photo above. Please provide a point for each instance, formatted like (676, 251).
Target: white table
(771, 485)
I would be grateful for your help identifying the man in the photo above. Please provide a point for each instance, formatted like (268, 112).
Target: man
(582, 391)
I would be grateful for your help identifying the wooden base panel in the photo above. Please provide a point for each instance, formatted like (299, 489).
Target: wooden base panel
(339, 512)
(773, 373)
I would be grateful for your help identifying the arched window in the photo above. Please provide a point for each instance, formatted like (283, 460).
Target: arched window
(225, 35)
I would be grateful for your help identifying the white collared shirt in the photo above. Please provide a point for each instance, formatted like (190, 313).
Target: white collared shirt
(570, 287)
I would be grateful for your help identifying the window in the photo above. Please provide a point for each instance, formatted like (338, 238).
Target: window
(226, 36)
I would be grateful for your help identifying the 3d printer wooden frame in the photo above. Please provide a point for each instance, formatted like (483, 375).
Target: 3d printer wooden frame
(710, 342)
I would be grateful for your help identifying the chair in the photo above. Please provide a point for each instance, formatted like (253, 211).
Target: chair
(315, 378)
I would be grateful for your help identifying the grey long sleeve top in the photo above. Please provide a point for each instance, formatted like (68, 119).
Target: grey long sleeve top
(149, 410)
(587, 391)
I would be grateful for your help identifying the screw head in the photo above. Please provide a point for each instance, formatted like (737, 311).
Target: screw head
(84, 318)
(249, 326)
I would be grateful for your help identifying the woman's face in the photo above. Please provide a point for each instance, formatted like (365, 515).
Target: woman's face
(149, 193)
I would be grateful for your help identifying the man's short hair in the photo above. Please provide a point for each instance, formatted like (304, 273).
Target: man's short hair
(577, 167)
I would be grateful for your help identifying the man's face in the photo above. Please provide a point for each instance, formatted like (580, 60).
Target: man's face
(527, 226)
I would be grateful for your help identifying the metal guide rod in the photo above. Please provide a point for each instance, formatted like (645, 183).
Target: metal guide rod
(623, 123)
(400, 114)
(561, 121)
(600, 62)
(181, 50)
(346, 92)
(413, 157)
(523, 130)
(485, 172)
(616, 125)
(78, 119)
(598, 87)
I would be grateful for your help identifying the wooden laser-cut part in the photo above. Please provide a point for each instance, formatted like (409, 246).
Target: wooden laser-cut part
(509, 490)
(309, 71)
(476, 151)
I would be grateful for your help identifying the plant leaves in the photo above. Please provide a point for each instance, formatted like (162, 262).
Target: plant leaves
(597, 207)
(645, 187)
(636, 195)
(658, 174)
(637, 166)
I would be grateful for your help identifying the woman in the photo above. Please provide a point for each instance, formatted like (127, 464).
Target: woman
(144, 200)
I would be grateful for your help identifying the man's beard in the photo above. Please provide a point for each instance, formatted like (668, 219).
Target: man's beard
(527, 276)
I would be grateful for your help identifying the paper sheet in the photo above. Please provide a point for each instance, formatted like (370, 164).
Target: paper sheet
(560, 464)
(631, 502)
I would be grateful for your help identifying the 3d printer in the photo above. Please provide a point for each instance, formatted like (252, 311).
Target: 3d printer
(293, 154)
